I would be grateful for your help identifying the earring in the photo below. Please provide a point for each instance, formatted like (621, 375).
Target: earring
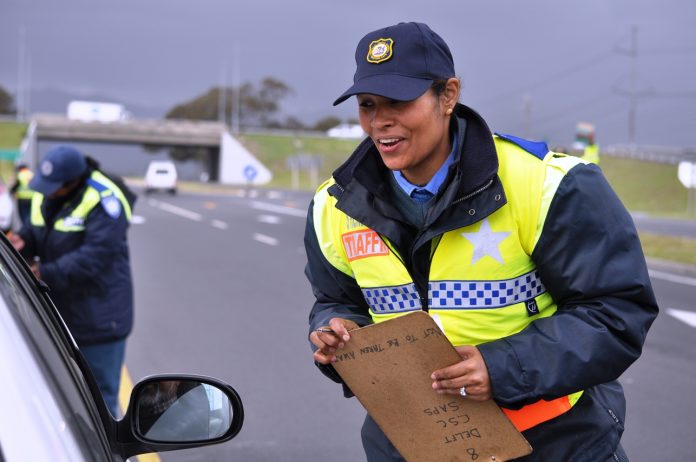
(449, 111)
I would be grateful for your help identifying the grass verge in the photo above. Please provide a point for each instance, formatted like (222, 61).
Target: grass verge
(11, 134)
(673, 248)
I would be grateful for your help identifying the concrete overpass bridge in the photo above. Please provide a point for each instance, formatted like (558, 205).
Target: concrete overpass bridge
(230, 162)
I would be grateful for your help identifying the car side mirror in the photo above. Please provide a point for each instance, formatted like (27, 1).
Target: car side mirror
(168, 412)
(178, 411)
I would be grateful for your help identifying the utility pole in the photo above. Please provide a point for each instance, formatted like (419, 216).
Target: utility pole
(633, 92)
(633, 53)
(527, 109)
(20, 76)
(222, 96)
(237, 84)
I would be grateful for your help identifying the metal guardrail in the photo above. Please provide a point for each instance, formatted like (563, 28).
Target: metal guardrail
(658, 154)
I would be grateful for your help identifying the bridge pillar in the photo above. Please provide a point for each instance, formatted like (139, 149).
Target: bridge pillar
(214, 164)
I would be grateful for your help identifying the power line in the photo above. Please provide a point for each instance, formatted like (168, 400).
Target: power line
(549, 78)
(686, 94)
(570, 110)
(668, 51)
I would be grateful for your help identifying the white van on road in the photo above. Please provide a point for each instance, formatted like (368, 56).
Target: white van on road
(161, 176)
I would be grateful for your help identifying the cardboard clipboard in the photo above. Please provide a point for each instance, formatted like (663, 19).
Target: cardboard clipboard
(388, 366)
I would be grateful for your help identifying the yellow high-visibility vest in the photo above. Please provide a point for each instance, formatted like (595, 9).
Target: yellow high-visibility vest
(99, 188)
(483, 284)
(23, 191)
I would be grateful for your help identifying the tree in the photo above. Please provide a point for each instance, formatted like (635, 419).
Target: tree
(326, 123)
(256, 104)
(291, 123)
(6, 102)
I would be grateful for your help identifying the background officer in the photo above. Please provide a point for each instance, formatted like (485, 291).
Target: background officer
(76, 240)
(22, 192)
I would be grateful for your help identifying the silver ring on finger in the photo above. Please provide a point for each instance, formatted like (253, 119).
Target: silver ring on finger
(462, 391)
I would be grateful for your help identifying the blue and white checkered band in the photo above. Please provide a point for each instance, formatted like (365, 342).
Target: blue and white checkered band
(459, 295)
(395, 299)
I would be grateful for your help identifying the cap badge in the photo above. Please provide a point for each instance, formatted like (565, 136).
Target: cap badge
(380, 50)
(46, 168)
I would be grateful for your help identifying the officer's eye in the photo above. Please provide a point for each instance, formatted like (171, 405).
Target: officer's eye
(366, 103)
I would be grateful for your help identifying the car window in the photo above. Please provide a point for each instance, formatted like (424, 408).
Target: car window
(41, 387)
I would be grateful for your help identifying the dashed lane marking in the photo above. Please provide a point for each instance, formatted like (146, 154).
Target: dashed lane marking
(688, 317)
(219, 224)
(270, 219)
(179, 211)
(137, 220)
(279, 209)
(262, 238)
(672, 277)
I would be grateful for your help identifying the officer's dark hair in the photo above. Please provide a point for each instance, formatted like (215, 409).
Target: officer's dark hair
(439, 86)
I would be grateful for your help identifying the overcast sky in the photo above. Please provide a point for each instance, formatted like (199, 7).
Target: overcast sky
(531, 67)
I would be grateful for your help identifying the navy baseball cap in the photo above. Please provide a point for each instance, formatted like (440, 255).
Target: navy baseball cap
(400, 62)
(60, 165)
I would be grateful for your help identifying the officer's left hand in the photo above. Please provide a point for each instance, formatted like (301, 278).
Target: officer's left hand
(470, 373)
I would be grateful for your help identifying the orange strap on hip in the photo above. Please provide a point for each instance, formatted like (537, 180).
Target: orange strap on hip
(532, 415)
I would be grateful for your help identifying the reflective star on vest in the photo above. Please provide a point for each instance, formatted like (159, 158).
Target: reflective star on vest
(486, 242)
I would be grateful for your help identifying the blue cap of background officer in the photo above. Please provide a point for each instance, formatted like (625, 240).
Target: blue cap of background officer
(60, 165)
(400, 62)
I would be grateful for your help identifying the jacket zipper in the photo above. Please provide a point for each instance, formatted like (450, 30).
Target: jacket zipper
(424, 301)
(479, 190)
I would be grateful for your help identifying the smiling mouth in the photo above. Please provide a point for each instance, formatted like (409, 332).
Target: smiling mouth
(389, 142)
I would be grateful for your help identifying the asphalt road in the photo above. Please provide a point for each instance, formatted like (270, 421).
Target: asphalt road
(666, 226)
(220, 291)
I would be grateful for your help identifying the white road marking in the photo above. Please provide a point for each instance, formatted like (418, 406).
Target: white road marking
(179, 211)
(688, 317)
(265, 239)
(137, 220)
(274, 194)
(279, 209)
(271, 219)
(672, 277)
(219, 224)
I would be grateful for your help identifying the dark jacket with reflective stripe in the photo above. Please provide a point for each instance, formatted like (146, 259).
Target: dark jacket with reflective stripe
(588, 257)
(88, 272)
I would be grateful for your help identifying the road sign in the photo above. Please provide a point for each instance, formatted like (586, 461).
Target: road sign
(250, 173)
(687, 174)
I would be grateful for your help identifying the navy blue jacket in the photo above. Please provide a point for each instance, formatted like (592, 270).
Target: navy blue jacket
(88, 272)
(589, 258)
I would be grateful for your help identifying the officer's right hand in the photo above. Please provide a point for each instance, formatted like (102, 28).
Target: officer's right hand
(329, 339)
(16, 241)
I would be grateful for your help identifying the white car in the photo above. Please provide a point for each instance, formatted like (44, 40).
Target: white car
(52, 408)
(161, 176)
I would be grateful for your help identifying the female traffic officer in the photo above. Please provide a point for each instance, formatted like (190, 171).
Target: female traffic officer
(525, 257)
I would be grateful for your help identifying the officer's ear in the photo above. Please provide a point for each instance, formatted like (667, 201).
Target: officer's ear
(450, 95)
